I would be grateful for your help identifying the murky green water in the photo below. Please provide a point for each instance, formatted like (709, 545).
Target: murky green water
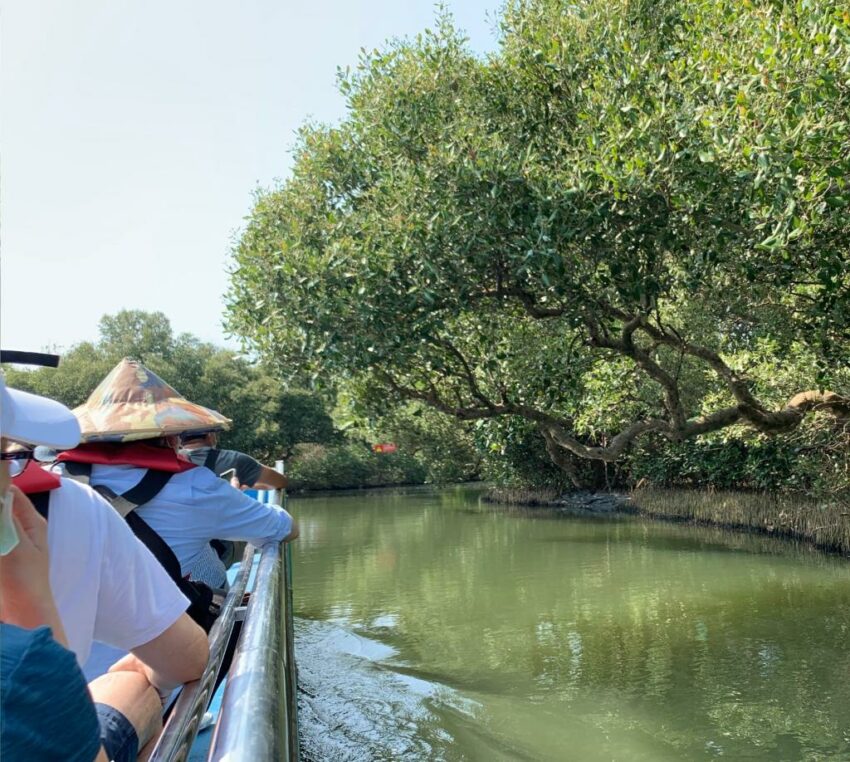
(514, 636)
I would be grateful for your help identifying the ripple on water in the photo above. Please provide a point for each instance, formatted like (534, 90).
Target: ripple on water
(352, 706)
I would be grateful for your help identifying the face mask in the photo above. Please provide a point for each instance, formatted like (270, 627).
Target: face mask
(8, 533)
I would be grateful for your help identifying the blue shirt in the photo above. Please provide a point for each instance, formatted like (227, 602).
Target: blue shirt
(194, 507)
(47, 712)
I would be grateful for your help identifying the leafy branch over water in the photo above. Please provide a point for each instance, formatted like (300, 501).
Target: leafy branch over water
(627, 225)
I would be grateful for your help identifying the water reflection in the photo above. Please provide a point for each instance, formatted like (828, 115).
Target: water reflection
(575, 639)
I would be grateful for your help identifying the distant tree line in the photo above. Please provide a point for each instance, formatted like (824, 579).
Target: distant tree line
(270, 420)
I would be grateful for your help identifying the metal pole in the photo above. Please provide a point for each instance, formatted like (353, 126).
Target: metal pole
(291, 666)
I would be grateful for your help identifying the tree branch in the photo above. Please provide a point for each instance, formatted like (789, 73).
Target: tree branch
(433, 398)
(472, 382)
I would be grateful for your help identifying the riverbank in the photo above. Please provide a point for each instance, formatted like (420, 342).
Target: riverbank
(824, 523)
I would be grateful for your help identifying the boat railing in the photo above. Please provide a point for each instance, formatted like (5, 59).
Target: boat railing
(256, 719)
(182, 725)
(258, 716)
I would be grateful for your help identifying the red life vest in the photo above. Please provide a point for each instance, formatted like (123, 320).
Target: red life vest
(137, 454)
(35, 479)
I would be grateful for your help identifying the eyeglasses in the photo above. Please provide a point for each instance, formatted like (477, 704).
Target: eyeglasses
(18, 460)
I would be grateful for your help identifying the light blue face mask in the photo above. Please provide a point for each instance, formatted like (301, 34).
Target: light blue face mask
(8, 533)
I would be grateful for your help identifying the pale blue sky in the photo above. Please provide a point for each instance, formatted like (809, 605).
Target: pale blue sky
(134, 132)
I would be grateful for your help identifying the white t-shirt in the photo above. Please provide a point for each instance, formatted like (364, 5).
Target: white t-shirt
(194, 507)
(108, 586)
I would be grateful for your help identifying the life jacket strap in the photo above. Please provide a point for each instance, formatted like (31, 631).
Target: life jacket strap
(41, 502)
(202, 607)
(146, 490)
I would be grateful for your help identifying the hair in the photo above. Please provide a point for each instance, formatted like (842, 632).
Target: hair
(192, 437)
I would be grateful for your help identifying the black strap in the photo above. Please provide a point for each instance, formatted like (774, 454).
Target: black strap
(146, 490)
(41, 502)
(202, 607)
(29, 358)
(155, 544)
(209, 461)
(79, 472)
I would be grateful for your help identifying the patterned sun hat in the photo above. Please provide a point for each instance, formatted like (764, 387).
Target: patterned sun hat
(133, 403)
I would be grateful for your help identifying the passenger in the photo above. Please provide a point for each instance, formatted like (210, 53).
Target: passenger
(202, 450)
(100, 583)
(131, 425)
(242, 471)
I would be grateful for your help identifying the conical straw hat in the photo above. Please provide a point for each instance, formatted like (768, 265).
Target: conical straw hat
(133, 403)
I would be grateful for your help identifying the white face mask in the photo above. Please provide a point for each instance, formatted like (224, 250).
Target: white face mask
(8, 533)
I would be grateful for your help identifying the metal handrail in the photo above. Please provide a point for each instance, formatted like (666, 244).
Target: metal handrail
(291, 668)
(289, 633)
(179, 732)
(258, 718)
(253, 723)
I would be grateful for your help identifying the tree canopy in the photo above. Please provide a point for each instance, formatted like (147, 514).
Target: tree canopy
(630, 220)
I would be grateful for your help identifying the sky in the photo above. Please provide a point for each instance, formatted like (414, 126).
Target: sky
(134, 134)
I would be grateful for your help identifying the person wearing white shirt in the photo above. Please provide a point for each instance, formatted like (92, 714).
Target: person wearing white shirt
(105, 585)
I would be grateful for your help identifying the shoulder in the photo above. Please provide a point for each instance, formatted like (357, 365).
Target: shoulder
(41, 678)
(230, 458)
(77, 492)
(32, 650)
(197, 479)
(247, 468)
(79, 501)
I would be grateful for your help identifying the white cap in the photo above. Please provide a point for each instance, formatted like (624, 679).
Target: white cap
(33, 420)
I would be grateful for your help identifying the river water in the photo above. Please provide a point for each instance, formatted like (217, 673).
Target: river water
(433, 626)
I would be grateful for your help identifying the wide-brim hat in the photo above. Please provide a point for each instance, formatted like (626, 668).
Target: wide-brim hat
(32, 420)
(133, 403)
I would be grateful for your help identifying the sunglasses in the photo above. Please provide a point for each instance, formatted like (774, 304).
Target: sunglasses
(18, 461)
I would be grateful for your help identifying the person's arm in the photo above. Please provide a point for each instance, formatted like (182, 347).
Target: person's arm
(232, 515)
(177, 656)
(270, 479)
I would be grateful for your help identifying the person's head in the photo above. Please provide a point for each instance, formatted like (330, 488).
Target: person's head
(29, 420)
(193, 441)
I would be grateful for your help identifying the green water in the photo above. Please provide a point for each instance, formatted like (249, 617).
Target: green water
(527, 637)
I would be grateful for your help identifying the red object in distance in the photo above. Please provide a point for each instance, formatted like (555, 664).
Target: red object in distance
(384, 448)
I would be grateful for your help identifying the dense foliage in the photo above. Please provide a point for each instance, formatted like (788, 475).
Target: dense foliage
(627, 228)
(352, 465)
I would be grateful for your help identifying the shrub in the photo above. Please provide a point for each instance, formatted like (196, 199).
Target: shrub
(351, 466)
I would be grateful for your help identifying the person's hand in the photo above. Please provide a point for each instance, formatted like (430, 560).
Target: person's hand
(234, 482)
(25, 570)
(132, 663)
